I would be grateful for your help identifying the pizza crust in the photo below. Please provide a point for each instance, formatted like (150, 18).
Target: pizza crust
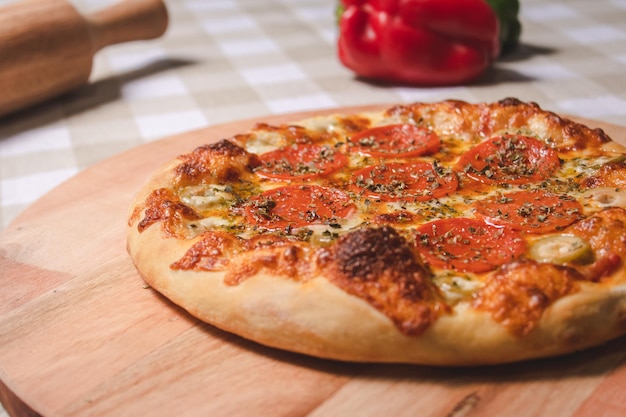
(319, 319)
(316, 317)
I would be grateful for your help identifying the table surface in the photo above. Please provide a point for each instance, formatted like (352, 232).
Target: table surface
(226, 60)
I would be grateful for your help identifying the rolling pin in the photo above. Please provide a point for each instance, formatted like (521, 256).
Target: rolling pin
(47, 46)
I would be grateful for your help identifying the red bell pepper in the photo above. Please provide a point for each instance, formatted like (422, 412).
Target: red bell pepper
(419, 42)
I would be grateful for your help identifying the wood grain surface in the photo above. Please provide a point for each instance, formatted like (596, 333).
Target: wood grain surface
(81, 335)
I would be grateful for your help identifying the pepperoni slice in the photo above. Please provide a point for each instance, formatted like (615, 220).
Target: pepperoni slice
(509, 159)
(395, 141)
(301, 162)
(530, 211)
(417, 181)
(468, 245)
(296, 206)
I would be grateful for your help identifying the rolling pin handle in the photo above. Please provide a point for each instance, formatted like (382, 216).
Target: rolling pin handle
(128, 20)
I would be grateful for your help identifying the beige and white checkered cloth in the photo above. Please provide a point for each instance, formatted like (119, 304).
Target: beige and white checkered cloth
(223, 60)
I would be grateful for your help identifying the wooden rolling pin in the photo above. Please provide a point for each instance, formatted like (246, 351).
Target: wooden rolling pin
(47, 47)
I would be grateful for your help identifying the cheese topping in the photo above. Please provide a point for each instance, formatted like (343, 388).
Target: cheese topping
(221, 205)
(475, 201)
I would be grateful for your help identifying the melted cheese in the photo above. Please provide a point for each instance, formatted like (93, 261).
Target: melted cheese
(576, 167)
(561, 249)
(201, 198)
(264, 141)
(220, 206)
(456, 288)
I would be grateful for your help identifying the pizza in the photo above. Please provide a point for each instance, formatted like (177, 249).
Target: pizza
(447, 233)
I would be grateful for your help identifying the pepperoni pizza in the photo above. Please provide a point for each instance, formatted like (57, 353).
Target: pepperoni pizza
(444, 233)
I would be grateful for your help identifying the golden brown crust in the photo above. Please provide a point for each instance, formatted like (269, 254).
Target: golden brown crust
(611, 174)
(210, 253)
(380, 266)
(518, 294)
(312, 317)
(222, 162)
(508, 114)
(163, 206)
(364, 292)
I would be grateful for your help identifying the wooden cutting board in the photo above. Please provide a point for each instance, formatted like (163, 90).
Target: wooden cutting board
(81, 335)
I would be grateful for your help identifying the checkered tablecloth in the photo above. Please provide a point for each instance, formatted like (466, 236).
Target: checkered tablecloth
(223, 60)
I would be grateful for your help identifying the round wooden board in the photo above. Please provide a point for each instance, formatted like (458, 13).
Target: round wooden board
(80, 334)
